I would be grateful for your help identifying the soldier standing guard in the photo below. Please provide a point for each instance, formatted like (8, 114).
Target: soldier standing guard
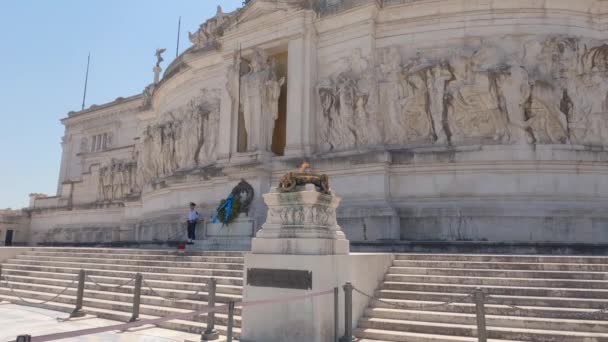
(193, 216)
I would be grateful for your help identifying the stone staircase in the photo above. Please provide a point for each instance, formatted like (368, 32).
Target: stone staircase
(558, 293)
(41, 274)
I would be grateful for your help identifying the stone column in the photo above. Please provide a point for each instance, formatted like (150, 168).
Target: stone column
(228, 123)
(301, 74)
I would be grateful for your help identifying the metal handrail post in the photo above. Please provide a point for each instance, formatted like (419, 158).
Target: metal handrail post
(348, 313)
(210, 333)
(230, 321)
(479, 297)
(336, 313)
(136, 297)
(78, 311)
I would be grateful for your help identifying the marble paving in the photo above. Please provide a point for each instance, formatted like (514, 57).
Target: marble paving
(17, 319)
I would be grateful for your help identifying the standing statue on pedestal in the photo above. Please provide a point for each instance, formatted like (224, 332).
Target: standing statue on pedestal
(260, 98)
(157, 69)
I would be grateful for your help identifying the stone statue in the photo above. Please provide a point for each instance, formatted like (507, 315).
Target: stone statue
(159, 56)
(273, 93)
(157, 69)
(391, 90)
(438, 77)
(260, 98)
(233, 75)
(148, 92)
(211, 30)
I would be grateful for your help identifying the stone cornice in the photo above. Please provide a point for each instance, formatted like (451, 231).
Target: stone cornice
(118, 106)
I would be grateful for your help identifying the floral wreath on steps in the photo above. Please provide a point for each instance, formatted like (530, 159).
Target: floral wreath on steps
(237, 202)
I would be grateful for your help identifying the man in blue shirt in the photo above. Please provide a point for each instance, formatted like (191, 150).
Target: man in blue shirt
(193, 216)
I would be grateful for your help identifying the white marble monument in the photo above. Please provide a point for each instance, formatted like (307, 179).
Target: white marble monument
(448, 120)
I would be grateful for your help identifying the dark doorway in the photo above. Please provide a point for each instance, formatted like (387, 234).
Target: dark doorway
(8, 240)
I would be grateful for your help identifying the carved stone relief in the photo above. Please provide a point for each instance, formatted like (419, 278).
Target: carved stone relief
(510, 90)
(117, 180)
(209, 32)
(259, 90)
(181, 139)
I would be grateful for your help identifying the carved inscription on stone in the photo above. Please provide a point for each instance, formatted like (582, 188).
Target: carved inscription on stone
(283, 279)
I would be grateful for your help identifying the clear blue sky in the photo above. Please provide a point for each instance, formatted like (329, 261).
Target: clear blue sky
(43, 51)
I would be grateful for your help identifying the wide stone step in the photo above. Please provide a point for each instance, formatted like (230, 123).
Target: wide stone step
(195, 327)
(493, 309)
(496, 299)
(526, 282)
(167, 252)
(174, 258)
(123, 276)
(378, 335)
(535, 335)
(33, 260)
(499, 273)
(491, 320)
(62, 267)
(498, 290)
(505, 258)
(504, 265)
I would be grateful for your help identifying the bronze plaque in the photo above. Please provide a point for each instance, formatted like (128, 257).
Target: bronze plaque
(283, 279)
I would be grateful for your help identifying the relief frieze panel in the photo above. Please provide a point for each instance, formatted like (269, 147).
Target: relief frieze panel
(548, 90)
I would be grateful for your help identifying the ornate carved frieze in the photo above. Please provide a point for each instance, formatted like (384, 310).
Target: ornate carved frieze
(117, 180)
(510, 90)
(180, 139)
(208, 33)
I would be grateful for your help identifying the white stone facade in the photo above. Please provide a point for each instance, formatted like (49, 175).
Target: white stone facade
(435, 120)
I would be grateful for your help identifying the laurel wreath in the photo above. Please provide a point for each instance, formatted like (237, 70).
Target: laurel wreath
(234, 211)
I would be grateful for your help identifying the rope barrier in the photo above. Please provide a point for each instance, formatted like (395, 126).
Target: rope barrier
(597, 314)
(171, 299)
(12, 290)
(130, 280)
(397, 305)
(156, 321)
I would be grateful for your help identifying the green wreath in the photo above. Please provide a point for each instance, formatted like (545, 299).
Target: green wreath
(234, 211)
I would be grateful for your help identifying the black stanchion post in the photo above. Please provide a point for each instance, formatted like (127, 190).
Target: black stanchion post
(482, 335)
(210, 333)
(336, 313)
(348, 313)
(78, 311)
(230, 321)
(136, 297)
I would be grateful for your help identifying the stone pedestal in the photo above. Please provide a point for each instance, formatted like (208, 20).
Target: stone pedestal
(300, 234)
(302, 223)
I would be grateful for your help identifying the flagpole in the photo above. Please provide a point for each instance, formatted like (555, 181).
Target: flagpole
(86, 80)
(179, 26)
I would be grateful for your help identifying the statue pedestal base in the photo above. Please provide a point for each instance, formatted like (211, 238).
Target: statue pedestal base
(302, 223)
(301, 250)
(310, 319)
